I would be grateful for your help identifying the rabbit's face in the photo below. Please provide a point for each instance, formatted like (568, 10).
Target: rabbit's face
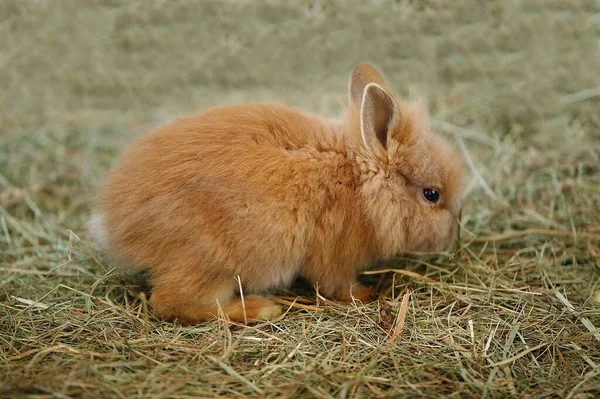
(413, 202)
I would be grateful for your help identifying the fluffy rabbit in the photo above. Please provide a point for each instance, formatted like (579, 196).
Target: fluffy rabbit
(267, 193)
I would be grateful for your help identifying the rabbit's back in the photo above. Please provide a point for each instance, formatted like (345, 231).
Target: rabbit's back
(237, 188)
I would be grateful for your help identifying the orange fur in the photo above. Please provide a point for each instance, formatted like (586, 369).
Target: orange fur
(267, 193)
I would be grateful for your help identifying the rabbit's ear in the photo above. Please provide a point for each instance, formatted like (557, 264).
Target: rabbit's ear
(363, 75)
(378, 116)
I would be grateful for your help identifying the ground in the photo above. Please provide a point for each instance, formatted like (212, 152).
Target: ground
(513, 310)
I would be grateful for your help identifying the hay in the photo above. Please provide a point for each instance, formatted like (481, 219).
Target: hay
(512, 311)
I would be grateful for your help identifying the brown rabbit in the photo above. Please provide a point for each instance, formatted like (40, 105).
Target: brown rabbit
(267, 193)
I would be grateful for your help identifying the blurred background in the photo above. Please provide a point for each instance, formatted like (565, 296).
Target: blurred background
(81, 79)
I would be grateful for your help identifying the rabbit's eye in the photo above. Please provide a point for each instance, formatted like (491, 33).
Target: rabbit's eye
(431, 195)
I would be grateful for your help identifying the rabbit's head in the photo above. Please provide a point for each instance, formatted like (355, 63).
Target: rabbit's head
(410, 178)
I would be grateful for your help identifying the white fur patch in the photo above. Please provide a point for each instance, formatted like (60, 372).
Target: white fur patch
(97, 229)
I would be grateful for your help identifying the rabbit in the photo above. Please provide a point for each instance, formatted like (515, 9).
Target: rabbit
(253, 196)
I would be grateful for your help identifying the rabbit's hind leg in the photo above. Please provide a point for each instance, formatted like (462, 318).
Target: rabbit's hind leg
(190, 303)
(255, 307)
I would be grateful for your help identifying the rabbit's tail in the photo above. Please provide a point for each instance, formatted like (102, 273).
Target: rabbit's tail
(97, 229)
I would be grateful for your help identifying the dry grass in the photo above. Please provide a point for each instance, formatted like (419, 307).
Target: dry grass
(513, 311)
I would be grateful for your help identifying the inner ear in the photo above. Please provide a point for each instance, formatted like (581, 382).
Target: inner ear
(378, 116)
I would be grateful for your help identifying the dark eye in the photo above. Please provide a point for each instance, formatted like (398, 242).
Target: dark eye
(431, 195)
